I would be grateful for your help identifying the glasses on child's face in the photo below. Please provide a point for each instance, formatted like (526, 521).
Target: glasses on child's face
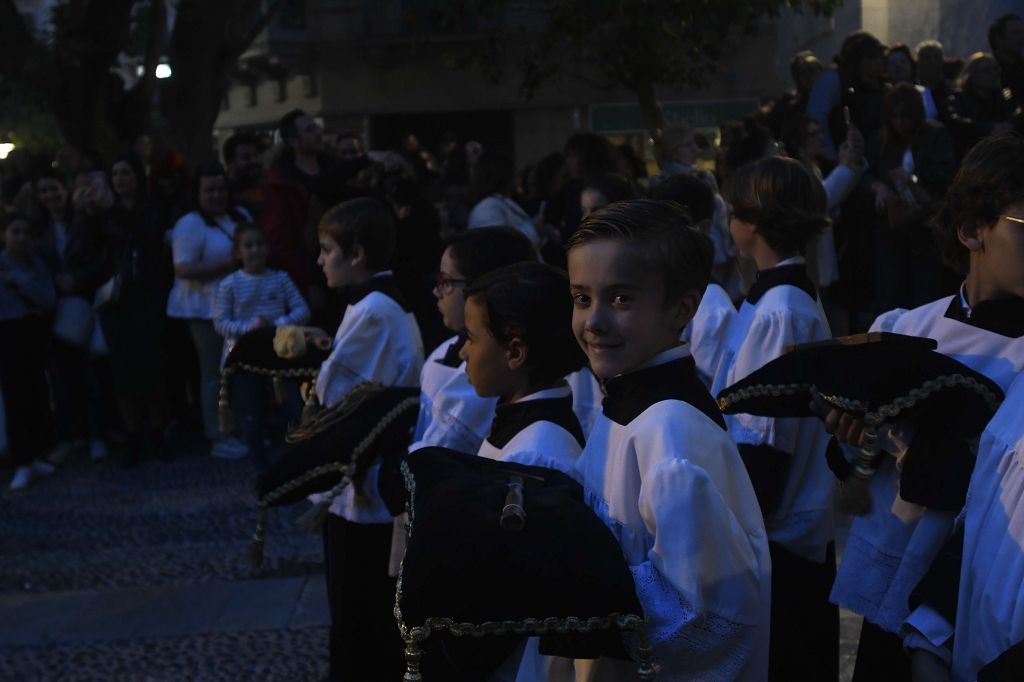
(445, 284)
(1014, 219)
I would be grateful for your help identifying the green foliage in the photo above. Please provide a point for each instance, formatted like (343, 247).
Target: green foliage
(630, 44)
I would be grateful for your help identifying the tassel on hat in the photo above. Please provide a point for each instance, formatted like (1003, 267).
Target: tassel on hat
(855, 497)
(279, 393)
(225, 417)
(313, 519)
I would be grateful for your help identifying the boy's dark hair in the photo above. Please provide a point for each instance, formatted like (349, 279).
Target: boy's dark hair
(782, 198)
(237, 140)
(531, 302)
(991, 178)
(663, 234)
(481, 250)
(997, 30)
(612, 186)
(365, 221)
(689, 191)
(242, 228)
(286, 127)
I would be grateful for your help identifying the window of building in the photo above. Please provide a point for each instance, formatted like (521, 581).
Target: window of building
(282, 89)
(292, 15)
(254, 96)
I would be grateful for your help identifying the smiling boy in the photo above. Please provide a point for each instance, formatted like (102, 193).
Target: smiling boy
(659, 466)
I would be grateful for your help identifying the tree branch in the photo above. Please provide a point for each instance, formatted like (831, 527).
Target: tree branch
(15, 38)
(257, 28)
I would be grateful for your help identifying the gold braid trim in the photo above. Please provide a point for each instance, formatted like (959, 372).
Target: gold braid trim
(343, 409)
(414, 636)
(347, 471)
(761, 390)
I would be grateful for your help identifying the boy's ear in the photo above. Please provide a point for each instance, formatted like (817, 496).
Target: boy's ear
(970, 236)
(685, 308)
(515, 354)
(357, 255)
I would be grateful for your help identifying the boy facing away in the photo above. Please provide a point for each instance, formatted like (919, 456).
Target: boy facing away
(659, 466)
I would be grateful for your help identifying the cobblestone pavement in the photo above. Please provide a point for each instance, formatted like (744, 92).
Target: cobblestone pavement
(141, 574)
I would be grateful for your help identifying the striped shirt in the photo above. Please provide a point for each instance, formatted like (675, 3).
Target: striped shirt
(242, 297)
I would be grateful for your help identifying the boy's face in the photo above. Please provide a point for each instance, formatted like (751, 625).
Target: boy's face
(1002, 253)
(619, 313)
(487, 361)
(338, 268)
(449, 293)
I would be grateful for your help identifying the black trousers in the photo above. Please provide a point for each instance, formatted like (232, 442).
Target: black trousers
(880, 656)
(804, 641)
(365, 645)
(23, 357)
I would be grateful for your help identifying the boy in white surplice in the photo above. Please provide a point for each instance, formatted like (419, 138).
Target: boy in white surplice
(659, 466)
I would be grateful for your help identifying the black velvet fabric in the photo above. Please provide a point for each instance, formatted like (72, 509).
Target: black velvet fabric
(793, 275)
(460, 564)
(1006, 668)
(336, 443)
(939, 461)
(257, 349)
(768, 468)
(940, 586)
(512, 418)
(628, 395)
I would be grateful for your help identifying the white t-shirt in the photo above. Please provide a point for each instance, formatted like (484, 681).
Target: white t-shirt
(193, 241)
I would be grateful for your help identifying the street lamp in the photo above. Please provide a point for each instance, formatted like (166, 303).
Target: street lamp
(163, 71)
(5, 149)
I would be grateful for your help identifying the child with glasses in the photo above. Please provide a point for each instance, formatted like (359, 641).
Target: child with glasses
(451, 414)
(981, 229)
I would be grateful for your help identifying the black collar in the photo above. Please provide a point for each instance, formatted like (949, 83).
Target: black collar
(385, 284)
(511, 418)
(451, 356)
(628, 395)
(1004, 316)
(794, 275)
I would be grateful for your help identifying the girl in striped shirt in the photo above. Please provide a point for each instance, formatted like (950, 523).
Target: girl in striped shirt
(252, 297)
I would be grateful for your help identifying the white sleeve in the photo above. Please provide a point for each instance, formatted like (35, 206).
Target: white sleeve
(840, 182)
(487, 213)
(700, 588)
(925, 628)
(188, 240)
(359, 354)
(766, 340)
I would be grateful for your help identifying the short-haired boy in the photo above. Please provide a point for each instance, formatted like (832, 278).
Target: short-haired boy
(659, 466)
(378, 340)
(778, 206)
(705, 334)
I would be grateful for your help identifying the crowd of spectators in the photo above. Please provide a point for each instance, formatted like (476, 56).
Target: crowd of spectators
(111, 269)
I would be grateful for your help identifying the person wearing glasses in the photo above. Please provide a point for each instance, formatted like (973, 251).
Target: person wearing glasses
(981, 229)
(451, 414)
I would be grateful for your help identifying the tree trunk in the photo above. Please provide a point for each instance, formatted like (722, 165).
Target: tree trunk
(207, 41)
(654, 117)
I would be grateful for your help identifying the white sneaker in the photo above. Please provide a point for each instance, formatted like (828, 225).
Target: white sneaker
(22, 476)
(41, 468)
(97, 450)
(229, 447)
(61, 452)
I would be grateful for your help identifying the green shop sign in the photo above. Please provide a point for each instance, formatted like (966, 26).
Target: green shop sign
(707, 113)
